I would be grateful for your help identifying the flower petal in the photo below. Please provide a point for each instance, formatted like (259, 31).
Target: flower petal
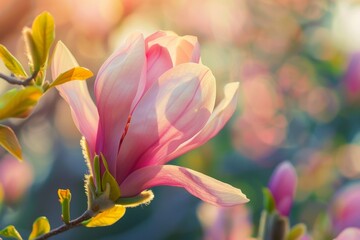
(216, 122)
(204, 187)
(158, 62)
(173, 110)
(182, 49)
(76, 94)
(119, 85)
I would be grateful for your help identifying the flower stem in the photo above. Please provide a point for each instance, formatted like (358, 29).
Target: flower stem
(73, 223)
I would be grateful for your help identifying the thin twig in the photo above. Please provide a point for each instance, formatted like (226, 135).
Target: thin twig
(14, 80)
(74, 223)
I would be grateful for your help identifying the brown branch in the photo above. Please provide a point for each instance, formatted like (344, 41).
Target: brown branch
(74, 223)
(16, 81)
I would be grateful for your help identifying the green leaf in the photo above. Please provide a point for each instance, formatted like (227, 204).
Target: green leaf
(31, 50)
(97, 175)
(76, 73)
(11, 62)
(43, 33)
(65, 198)
(9, 141)
(296, 232)
(19, 102)
(269, 202)
(10, 232)
(114, 186)
(107, 217)
(41, 226)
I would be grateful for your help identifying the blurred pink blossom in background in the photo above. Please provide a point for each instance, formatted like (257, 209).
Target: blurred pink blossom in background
(345, 208)
(15, 178)
(225, 223)
(349, 234)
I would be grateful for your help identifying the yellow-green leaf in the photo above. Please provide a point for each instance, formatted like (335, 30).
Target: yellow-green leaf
(19, 102)
(11, 62)
(109, 180)
(10, 232)
(296, 232)
(9, 141)
(106, 218)
(40, 227)
(65, 198)
(76, 73)
(31, 50)
(43, 32)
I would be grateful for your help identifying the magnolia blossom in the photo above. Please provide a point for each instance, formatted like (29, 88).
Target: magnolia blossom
(225, 223)
(154, 101)
(283, 187)
(15, 178)
(345, 207)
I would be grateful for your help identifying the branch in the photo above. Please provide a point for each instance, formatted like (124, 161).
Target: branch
(74, 223)
(14, 80)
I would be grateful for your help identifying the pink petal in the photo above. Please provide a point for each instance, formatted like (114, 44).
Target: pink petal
(76, 94)
(118, 87)
(216, 122)
(182, 49)
(173, 110)
(158, 62)
(349, 234)
(204, 187)
(283, 187)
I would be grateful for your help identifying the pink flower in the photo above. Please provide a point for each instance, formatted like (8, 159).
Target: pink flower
(283, 187)
(225, 223)
(345, 208)
(15, 178)
(154, 102)
(349, 234)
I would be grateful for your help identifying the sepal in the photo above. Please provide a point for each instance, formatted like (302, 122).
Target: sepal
(145, 197)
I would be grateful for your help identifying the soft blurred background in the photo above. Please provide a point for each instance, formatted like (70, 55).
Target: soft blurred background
(298, 63)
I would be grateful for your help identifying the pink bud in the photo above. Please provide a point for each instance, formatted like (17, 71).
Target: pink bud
(283, 186)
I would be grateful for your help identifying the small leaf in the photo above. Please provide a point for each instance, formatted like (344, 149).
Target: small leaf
(11, 62)
(296, 232)
(43, 33)
(114, 186)
(97, 175)
(31, 50)
(269, 202)
(65, 198)
(19, 102)
(9, 141)
(10, 232)
(76, 73)
(107, 217)
(41, 226)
